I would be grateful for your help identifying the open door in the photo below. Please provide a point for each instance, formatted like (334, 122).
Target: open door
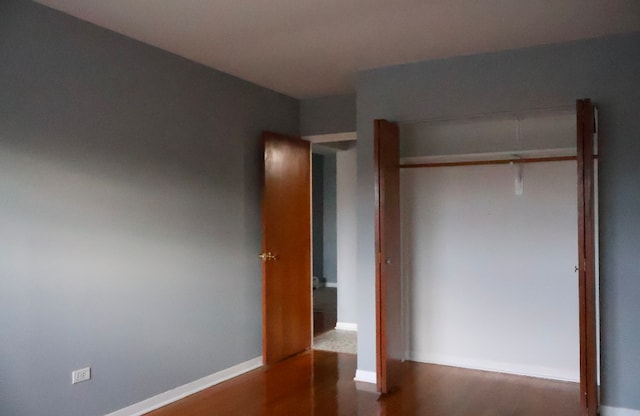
(390, 349)
(586, 143)
(286, 247)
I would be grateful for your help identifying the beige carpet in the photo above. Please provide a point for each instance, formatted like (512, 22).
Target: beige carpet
(337, 340)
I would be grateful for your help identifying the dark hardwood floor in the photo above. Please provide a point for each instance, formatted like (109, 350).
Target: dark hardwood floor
(321, 383)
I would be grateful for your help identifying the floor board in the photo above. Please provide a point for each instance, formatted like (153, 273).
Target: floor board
(321, 383)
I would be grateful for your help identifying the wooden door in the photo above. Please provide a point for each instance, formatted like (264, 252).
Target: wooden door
(390, 349)
(586, 257)
(286, 247)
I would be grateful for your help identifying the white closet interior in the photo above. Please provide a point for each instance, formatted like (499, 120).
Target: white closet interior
(489, 250)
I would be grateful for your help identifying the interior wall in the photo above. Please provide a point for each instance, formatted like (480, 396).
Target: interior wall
(347, 235)
(317, 213)
(327, 115)
(491, 274)
(324, 217)
(512, 135)
(329, 234)
(605, 70)
(129, 213)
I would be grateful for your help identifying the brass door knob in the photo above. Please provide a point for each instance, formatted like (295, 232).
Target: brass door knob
(267, 256)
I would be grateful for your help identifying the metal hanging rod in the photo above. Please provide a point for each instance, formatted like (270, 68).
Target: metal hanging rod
(489, 162)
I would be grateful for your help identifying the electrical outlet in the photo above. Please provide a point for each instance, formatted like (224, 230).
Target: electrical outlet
(83, 374)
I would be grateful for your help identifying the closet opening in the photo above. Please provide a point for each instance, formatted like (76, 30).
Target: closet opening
(491, 273)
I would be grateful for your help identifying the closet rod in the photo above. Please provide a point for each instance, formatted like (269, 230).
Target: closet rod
(489, 162)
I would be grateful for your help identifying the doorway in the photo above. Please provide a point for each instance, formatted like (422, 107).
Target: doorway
(287, 277)
(333, 228)
(323, 206)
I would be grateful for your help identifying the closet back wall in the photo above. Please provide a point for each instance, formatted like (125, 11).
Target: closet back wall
(490, 273)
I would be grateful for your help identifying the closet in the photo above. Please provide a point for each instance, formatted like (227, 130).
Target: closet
(489, 243)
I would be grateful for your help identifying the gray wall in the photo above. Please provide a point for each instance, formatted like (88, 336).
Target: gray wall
(325, 115)
(317, 211)
(129, 214)
(347, 235)
(324, 216)
(329, 236)
(463, 227)
(606, 70)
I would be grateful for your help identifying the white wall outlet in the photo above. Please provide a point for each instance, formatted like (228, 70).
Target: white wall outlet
(82, 374)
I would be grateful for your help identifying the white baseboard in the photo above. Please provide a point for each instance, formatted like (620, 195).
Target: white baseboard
(498, 367)
(331, 284)
(188, 389)
(347, 326)
(617, 411)
(366, 376)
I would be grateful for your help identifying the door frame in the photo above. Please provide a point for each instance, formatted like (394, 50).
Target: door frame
(349, 136)
(309, 141)
(586, 126)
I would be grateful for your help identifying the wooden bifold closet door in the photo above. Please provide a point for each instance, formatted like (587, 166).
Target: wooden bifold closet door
(390, 349)
(586, 128)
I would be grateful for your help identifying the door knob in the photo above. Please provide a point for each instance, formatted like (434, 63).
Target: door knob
(388, 261)
(267, 256)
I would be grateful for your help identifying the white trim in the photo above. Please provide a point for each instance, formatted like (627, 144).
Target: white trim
(334, 137)
(188, 389)
(331, 284)
(366, 376)
(498, 367)
(617, 411)
(347, 326)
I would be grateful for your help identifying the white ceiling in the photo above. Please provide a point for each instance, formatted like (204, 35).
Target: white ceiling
(308, 48)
